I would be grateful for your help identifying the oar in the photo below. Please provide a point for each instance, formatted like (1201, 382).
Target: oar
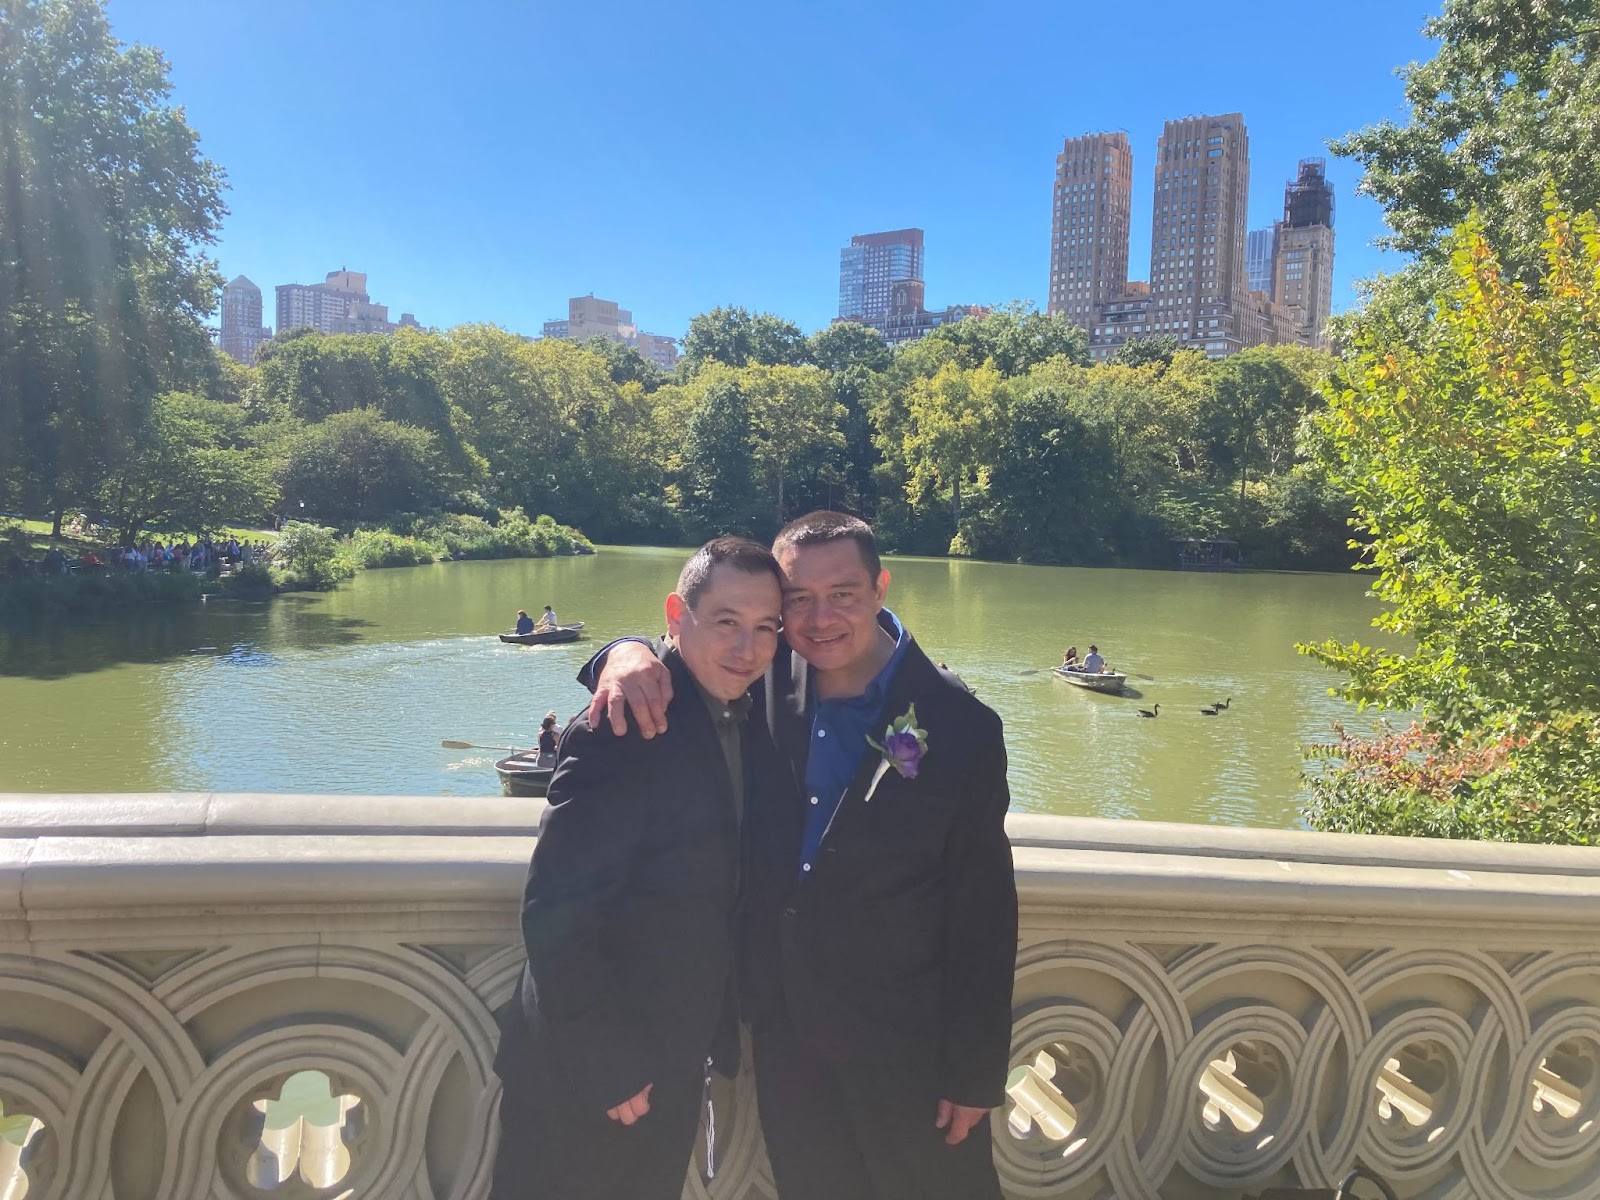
(449, 745)
(1042, 670)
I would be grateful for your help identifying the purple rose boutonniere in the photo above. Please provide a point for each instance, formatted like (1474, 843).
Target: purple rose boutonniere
(902, 748)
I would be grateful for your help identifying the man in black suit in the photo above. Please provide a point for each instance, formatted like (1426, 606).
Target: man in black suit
(880, 925)
(629, 916)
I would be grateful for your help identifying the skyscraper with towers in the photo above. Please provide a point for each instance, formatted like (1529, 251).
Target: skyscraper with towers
(1302, 264)
(1089, 224)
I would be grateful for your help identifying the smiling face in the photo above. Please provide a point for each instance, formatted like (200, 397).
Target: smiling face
(831, 604)
(728, 638)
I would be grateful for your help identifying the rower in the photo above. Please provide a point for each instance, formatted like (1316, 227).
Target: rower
(547, 619)
(1093, 663)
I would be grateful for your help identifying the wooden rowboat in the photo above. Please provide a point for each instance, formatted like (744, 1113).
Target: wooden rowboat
(545, 637)
(526, 774)
(1105, 681)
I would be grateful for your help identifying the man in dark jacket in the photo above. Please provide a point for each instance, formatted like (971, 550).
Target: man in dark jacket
(881, 923)
(627, 1003)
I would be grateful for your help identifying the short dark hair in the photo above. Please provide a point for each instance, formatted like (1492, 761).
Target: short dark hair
(739, 553)
(822, 526)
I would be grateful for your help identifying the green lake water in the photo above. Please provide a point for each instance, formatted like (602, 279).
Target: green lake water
(353, 690)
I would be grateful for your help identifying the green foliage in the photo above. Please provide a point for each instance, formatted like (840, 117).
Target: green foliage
(308, 557)
(357, 466)
(1508, 107)
(185, 467)
(1142, 351)
(370, 549)
(96, 591)
(105, 208)
(736, 337)
(717, 483)
(1014, 339)
(1472, 462)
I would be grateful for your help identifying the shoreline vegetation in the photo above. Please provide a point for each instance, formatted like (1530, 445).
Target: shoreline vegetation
(303, 557)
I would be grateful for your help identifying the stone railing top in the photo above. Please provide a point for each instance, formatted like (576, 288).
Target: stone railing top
(192, 814)
(239, 857)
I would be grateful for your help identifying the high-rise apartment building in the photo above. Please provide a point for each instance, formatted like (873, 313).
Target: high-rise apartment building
(1258, 258)
(589, 317)
(871, 265)
(1089, 224)
(242, 332)
(1303, 262)
(339, 304)
(1197, 231)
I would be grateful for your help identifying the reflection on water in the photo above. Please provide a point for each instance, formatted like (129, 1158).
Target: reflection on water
(353, 691)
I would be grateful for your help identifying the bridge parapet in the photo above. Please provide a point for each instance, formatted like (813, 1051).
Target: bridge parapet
(284, 996)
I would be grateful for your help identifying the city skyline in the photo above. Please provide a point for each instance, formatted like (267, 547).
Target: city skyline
(466, 216)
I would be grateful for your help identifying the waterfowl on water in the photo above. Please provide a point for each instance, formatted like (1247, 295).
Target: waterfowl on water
(1148, 712)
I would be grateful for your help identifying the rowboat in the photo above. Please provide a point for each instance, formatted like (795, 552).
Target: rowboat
(545, 637)
(1104, 681)
(526, 774)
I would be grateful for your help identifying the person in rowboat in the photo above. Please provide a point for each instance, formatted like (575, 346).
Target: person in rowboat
(1069, 660)
(1094, 664)
(547, 619)
(524, 621)
(549, 734)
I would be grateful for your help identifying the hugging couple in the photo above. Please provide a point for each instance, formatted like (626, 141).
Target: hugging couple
(782, 814)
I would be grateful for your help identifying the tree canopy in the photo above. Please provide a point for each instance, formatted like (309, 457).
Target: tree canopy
(106, 207)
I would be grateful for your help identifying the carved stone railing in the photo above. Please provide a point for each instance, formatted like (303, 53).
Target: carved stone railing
(257, 997)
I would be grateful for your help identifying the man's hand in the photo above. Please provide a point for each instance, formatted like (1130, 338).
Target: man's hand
(632, 1109)
(957, 1120)
(635, 680)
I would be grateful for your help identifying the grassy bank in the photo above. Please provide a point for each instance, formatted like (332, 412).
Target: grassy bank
(304, 557)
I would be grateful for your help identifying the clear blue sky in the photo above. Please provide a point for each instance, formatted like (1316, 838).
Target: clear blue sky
(484, 160)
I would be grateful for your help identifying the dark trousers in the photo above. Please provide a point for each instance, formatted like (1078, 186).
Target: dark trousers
(861, 1132)
(553, 1149)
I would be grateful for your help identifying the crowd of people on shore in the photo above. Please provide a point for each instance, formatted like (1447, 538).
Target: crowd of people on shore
(202, 555)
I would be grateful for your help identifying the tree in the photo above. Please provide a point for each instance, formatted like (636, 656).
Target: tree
(1052, 488)
(794, 427)
(357, 466)
(105, 207)
(1509, 106)
(848, 345)
(1472, 465)
(718, 488)
(1014, 339)
(736, 337)
(1262, 394)
(1142, 351)
(625, 364)
(184, 468)
(951, 423)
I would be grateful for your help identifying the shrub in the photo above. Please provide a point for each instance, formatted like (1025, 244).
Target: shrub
(86, 592)
(307, 557)
(369, 549)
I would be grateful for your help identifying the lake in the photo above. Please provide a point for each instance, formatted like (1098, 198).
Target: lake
(353, 690)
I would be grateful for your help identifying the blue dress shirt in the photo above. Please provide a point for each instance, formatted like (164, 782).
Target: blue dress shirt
(839, 732)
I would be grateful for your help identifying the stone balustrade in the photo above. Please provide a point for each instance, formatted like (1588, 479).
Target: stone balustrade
(254, 997)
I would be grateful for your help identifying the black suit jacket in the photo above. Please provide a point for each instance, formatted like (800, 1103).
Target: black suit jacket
(629, 914)
(900, 945)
